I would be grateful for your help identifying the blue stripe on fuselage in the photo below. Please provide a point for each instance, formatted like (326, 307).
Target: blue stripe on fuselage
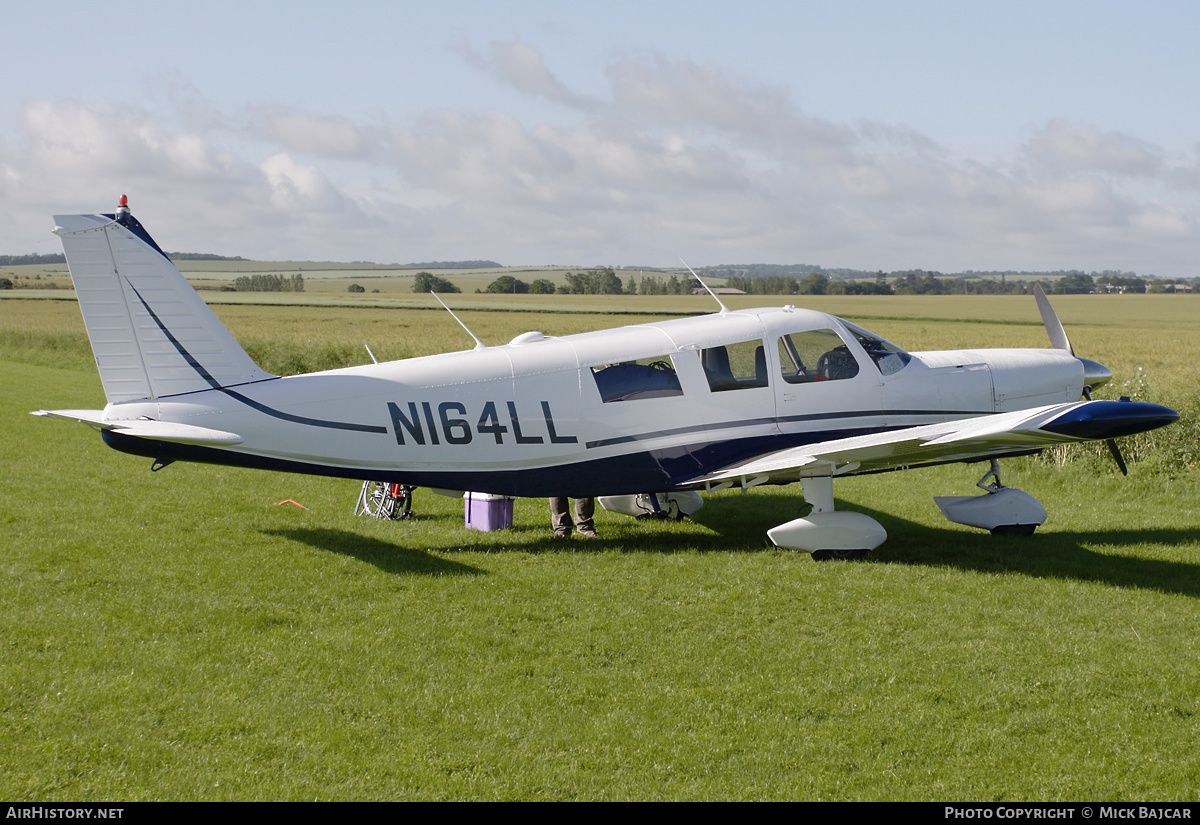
(646, 470)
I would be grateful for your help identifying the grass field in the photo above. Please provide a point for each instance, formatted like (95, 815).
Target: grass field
(176, 635)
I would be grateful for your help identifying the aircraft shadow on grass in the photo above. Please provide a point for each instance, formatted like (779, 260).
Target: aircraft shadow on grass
(1065, 555)
(387, 556)
(736, 528)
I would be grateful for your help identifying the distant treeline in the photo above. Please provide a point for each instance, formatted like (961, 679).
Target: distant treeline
(765, 281)
(754, 271)
(268, 282)
(599, 281)
(668, 285)
(605, 281)
(813, 283)
(799, 271)
(23, 260)
(457, 265)
(508, 285)
(201, 256)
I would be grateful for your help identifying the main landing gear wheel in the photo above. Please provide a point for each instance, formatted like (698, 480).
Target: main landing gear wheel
(839, 555)
(826, 533)
(1014, 530)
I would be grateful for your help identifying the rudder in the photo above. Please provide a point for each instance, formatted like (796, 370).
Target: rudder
(152, 334)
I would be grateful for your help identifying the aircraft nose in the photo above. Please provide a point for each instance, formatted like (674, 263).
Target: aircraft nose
(1095, 374)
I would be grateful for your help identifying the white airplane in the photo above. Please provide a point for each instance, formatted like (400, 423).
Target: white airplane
(748, 397)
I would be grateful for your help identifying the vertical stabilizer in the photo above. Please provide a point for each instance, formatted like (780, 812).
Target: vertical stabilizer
(152, 335)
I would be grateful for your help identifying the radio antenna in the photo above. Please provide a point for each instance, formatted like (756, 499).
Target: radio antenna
(724, 308)
(478, 344)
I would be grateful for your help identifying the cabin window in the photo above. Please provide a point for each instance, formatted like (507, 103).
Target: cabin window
(888, 357)
(816, 355)
(632, 380)
(739, 366)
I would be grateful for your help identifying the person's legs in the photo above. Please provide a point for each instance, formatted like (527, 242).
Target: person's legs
(585, 509)
(560, 516)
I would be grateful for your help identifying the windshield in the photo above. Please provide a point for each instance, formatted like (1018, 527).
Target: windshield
(888, 357)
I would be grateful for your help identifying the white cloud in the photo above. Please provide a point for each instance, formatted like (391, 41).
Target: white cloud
(67, 139)
(197, 196)
(299, 188)
(680, 158)
(334, 137)
(1167, 223)
(689, 96)
(1064, 146)
(520, 66)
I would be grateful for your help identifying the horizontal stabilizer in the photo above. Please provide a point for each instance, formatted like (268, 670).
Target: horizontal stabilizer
(145, 428)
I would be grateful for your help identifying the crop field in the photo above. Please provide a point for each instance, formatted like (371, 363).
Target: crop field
(181, 635)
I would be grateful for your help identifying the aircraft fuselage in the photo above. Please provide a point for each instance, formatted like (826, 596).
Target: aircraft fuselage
(541, 416)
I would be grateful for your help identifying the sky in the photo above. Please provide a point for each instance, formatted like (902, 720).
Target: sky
(944, 136)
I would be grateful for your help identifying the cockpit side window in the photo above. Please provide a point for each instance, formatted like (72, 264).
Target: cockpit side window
(739, 366)
(632, 380)
(815, 355)
(888, 357)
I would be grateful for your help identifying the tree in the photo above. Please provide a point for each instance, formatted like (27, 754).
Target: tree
(355, 288)
(428, 282)
(507, 285)
(650, 285)
(814, 284)
(269, 282)
(1076, 283)
(594, 282)
(541, 287)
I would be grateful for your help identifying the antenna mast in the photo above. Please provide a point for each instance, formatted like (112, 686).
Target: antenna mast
(724, 308)
(478, 344)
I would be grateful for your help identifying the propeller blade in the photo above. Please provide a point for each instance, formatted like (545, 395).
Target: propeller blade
(1054, 327)
(1117, 457)
(1094, 374)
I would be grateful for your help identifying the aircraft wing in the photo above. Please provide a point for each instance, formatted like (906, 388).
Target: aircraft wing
(146, 428)
(966, 439)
